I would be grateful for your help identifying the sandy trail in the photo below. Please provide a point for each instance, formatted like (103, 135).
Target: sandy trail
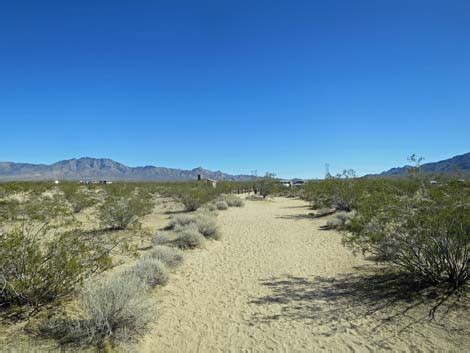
(276, 282)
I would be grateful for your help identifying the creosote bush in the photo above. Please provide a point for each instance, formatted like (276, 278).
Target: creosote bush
(77, 196)
(122, 209)
(40, 265)
(427, 234)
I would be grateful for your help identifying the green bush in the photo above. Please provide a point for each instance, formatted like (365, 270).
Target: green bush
(77, 196)
(9, 210)
(122, 208)
(39, 265)
(427, 234)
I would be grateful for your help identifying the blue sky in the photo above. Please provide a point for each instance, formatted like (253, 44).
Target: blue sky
(280, 86)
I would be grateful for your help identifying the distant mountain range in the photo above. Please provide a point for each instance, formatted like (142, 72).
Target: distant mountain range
(455, 165)
(105, 169)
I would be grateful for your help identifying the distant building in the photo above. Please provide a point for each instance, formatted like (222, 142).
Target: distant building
(291, 183)
(56, 182)
(207, 181)
(95, 182)
(298, 182)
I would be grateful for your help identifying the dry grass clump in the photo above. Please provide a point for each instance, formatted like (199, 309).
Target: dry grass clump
(171, 257)
(211, 207)
(203, 221)
(114, 310)
(340, 220)
(181, 220)
(188, 237)
(207, 226)
(161, 238)
(233, 201)
(151, 271)
(221, 205)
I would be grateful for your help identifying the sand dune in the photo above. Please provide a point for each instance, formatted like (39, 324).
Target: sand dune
(276, 282)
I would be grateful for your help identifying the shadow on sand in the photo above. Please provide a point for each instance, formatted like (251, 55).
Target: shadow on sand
(298, 216)
(365, 298)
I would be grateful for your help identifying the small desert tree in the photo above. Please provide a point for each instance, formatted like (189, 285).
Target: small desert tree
(267, 185)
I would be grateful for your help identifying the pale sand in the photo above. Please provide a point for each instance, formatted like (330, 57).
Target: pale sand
(276, 282)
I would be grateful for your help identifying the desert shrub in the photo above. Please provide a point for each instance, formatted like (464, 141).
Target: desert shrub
(339, 192)
(190, 202)
(211, 207)
(267, 185)
(194, 196)
(122, 210)
(255, 198)
(114, 310)
(221, 205)
(233, 201)
(171, 257)
(340, 220)
(9, 210)
(333, 223)
(38, 266)
(207, 226)
(150, 270)
(161, 238)
(181, 220)
(324, 211)
(76, 196)
(44, 208)
(427, 234)
(188, 237)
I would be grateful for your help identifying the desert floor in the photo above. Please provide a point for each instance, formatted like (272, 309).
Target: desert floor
(277, 282)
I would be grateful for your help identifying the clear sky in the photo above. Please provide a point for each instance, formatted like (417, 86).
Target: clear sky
(280, 86)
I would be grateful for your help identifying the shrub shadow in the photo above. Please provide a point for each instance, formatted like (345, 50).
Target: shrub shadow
(298, 216)
(346, 301)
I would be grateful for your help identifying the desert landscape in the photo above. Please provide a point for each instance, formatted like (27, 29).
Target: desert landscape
(234, 176)
(190, 267)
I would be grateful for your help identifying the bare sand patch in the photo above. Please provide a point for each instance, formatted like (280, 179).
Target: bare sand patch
(277, 282)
